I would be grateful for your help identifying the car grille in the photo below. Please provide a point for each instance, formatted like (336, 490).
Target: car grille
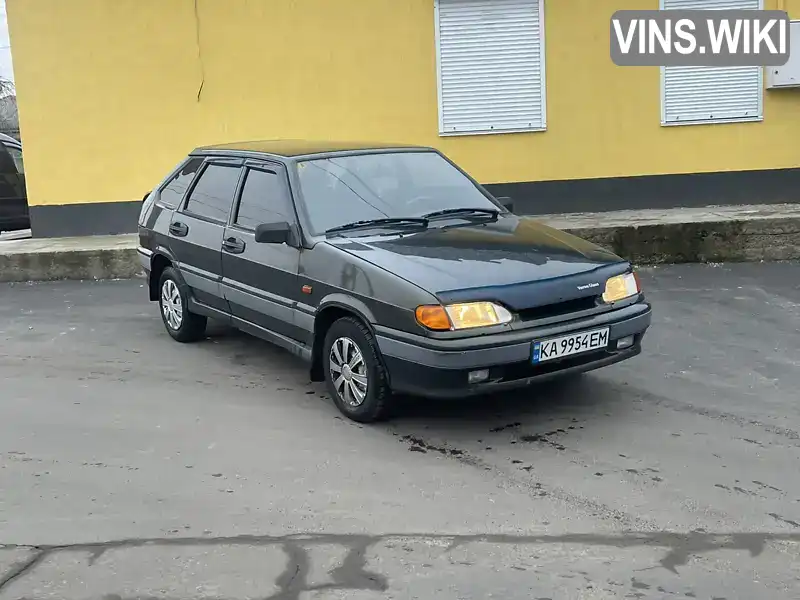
(558, 309)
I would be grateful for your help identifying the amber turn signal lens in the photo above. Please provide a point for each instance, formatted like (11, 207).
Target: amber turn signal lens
(433, 317)
(638, 281)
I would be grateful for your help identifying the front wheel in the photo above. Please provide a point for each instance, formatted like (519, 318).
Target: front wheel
(354, 373)
(182, 324)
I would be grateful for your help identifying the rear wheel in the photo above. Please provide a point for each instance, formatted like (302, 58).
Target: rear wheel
(354, 372)
(182, 324)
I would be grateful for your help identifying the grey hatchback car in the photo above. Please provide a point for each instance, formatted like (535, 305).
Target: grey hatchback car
(388, 268)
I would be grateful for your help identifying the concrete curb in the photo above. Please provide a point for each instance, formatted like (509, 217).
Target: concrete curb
(723, 241)
(102, 257)
(724, 234)
(117, 263)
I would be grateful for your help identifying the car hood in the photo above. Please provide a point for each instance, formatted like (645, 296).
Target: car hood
(517, 261)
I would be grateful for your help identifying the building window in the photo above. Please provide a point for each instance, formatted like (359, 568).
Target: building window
(490, 66)
(701, 95)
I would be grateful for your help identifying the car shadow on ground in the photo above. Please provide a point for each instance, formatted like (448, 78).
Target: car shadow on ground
(247, 350)
(555, 403)
(547, 400)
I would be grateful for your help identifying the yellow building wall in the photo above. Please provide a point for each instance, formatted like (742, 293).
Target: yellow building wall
(110, 92)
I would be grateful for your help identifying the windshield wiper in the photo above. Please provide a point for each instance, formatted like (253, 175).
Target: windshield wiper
(463, 212)
(388, 223)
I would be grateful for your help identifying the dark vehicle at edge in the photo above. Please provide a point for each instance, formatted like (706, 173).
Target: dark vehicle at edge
(14, 213)
(387, 268)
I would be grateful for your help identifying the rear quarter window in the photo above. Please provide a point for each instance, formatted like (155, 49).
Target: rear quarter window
(173, 192)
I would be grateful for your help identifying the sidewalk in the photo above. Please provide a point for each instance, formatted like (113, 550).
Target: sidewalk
(100, 257)
(712, 234)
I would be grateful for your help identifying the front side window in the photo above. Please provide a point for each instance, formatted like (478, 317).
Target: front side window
(264, 200)
(341, 190)
(173, 193)
(212, 196)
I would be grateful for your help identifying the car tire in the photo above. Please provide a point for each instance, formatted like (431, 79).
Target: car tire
(182, 324)
(354, 373)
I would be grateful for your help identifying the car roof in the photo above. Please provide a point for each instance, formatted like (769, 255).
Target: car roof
(302, 148)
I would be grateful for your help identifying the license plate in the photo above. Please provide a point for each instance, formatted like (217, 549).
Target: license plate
(566, 345)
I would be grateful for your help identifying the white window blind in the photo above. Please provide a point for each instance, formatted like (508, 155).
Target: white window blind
(490, 62)
(711, 94)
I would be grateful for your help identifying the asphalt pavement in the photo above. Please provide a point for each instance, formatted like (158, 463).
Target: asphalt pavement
(134, 467)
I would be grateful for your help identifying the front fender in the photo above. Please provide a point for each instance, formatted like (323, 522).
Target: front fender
(348, 303)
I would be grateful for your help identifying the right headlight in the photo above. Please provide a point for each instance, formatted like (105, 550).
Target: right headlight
(620, 287)
(466, 315)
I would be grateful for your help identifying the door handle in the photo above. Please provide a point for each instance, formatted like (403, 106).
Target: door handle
(233, 245)
(178, 229)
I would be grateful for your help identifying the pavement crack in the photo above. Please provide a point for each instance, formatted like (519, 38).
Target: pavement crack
(292, 582)
(353, 570)
(352, 573)
(784, 520)
(22, 567)
(710, 413)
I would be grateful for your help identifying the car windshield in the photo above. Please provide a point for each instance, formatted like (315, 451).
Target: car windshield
(388, 185)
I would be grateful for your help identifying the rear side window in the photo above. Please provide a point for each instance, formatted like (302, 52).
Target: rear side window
(212, 195)
(264, 200)
(174, 191)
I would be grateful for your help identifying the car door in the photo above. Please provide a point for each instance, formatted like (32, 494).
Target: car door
(260, 280)
(197, 227)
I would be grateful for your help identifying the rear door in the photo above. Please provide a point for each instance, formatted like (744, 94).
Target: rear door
(260, 281)
(157, 206)
(196, 229)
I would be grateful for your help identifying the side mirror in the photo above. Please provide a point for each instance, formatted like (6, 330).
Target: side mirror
(506, 203)
(273, 233)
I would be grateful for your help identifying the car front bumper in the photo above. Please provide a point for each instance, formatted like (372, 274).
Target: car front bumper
(440, 369)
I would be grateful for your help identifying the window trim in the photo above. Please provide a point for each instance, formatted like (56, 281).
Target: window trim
(172, 177)
(543, 71)
(278, 170)
(663, 91)
(223, 162)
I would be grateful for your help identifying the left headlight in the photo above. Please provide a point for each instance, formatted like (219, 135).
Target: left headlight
(462, 316)
(621, 287)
